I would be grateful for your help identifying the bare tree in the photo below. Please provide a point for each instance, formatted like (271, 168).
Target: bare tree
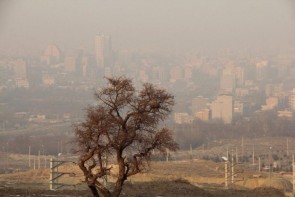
(124, 126)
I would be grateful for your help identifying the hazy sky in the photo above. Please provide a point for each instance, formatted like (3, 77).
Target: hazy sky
(178, 25)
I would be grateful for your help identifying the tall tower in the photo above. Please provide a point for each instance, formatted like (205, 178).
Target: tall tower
(103, 51)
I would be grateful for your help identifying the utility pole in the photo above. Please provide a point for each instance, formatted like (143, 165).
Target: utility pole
(29, 156)
(287, 146)
(38, 159)
(61, 148)
(191, 151)
(7, 155)
(270, 162)
(259, 164)
(52, 174)
(237, 156)
(226, 174)
(253, 154)
(203, 148)
(242, 148)
(167, 154)
(232, 166)
(227, 153)
(55, 174)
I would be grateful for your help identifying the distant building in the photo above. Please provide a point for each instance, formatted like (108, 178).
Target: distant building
(84, 66)
(241, 92)
(198, 104)
(48, 80)
(37, 118)
(285, 114)
(222, 108)
(203, 115)
(143, 76)
(20, 74)
(108, 72)
(181, 118)
(51, 55)
(70, 64)
(240, 76)
(22, 83)
(103, 51)
(227, 83)
(20, 69)
(271, 103)
(238, 107)
(176, 73)
(159, 73)
(261, 69)
(188, 72)
(292, 100)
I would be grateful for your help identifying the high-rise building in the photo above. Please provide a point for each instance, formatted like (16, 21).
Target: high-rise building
(176, 73)
(240, 76)
(143, 75)
(20, 69)
(51, 55)
(261, 69)
(227, 83)
(270, 103)
(70, 64)
(20, 73)
(198, 104)
(108, 72)
(203, 115)
(222, 108)
(188, 72)
(103, 51)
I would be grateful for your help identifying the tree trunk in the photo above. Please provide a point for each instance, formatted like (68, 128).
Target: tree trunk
(121, 176)
(93, 190)
(105, 192)
(118, 188)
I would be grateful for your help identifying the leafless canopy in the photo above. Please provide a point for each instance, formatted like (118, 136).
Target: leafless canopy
(123, 125)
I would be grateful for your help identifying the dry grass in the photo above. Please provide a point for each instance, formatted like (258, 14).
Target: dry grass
(186, 178)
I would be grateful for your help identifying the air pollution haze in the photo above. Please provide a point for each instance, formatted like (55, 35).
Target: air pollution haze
(167, 25)
(125, 82)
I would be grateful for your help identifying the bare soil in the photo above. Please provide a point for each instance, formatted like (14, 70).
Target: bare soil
(177, 188)
(168, 179)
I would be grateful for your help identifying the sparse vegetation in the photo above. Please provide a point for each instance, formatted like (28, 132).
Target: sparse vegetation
(123, 127)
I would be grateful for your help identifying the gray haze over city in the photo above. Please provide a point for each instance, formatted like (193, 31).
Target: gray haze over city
(70, 116)
(168, 25)
(229, 63)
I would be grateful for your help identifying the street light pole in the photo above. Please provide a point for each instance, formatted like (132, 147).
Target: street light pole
(270, 162)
